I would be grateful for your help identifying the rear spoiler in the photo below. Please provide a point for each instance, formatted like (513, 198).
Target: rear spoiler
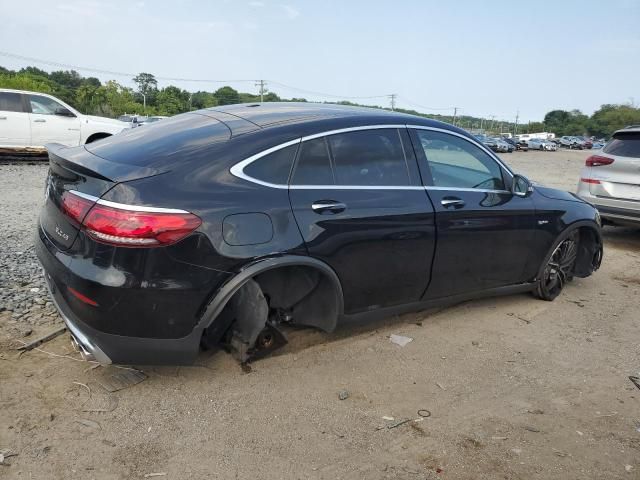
(82, 161)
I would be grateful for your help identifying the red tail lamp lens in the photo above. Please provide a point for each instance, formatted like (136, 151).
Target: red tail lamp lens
(124, 227)
(597, 161)
(75, 206)
(129, 227)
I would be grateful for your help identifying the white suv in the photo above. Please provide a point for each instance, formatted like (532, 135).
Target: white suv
(31, 120)
(611, 180)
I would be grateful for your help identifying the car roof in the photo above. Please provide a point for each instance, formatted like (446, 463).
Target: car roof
(630, 128)
(269, 114)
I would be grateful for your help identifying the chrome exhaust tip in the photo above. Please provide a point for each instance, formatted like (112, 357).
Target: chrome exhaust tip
(78, 347)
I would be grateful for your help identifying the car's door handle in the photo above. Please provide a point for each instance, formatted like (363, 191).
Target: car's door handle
(328, 206)
(455, 202)
(39, 120)
(3, 118)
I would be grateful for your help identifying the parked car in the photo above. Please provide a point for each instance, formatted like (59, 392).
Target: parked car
(502, 146)
(226, 224)
(540, 144)
(152, 119)
(572, 142)
(522, 143)
(31, 120)
(514, 145)
(132, 120)
(610, 180)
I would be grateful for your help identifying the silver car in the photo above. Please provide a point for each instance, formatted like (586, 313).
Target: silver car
(610, 180)
(541, 144)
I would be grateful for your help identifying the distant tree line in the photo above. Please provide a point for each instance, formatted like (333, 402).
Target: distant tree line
(89, 95)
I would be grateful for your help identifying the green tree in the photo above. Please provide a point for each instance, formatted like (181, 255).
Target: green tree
(203, 100)
(25, 81)
(226, 96)
(172, 100)
(609, 118)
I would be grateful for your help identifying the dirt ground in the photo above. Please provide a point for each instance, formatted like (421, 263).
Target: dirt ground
(516, 388)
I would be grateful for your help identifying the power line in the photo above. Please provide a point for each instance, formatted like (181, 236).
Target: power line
(406, 100)
(111, 72)
(392, 97)
(322, 94)
(261, 84)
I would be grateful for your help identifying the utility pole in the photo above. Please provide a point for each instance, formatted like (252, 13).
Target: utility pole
(515, 132)
(261, 84)
(144, 103)
(392, 97)
(455, 112)
(491, 127)
(481, 122)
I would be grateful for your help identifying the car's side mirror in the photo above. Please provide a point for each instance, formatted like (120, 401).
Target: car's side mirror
(521, 186)
(64, 112)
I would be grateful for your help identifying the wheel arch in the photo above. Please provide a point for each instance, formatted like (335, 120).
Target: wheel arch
(224, 294)
(589, 247)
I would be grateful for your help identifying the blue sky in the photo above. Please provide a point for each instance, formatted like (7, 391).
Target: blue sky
(487, 58)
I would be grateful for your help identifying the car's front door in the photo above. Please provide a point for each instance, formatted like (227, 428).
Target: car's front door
(360, 207)
(485, 232)
(14, 121)
(49, 126)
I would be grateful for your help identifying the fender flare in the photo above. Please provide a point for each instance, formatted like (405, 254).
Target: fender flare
(224, 293)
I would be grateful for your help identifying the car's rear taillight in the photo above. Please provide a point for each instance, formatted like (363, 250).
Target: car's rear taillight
(75, 206)
(597, 161)
(127, 225)
(590, 180)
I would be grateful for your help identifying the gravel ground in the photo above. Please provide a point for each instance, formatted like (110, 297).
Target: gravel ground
(23, 292)
(517, 388)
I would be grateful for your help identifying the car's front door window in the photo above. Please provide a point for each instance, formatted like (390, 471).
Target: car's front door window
(44, 105)
(456, 163)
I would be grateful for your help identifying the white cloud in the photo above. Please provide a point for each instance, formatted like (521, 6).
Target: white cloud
(256, 3)
(290, 12)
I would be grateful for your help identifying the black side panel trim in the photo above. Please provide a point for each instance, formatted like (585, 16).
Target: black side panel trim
(437, 302)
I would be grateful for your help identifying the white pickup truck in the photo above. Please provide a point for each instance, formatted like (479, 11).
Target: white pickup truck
(29, 120)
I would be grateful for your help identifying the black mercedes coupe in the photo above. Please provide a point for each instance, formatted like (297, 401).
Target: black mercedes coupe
(218, 227)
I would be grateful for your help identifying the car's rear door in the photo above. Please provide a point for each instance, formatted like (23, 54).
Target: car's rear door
(47, 127)
(15, 130)
(360, 207)
(484, 231)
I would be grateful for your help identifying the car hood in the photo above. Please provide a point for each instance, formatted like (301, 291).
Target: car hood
(106, 121)
(557, 194)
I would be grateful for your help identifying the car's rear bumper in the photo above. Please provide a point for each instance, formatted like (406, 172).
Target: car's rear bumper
(612, 209)
(110, 347)
(107, 348)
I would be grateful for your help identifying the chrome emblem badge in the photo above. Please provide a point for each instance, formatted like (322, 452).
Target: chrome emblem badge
(60, 233)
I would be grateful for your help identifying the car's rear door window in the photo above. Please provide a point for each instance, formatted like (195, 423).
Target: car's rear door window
(624, 144)
(369, 158)
(457, 163)
(314, 164)
(10, 102)
(274, 167)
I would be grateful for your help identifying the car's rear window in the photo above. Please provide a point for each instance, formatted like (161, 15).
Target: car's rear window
(150, 145)
(624, 144)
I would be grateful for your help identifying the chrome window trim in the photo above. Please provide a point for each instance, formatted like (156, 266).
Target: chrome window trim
(237, 170)
(124, 206)
(464, 189)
